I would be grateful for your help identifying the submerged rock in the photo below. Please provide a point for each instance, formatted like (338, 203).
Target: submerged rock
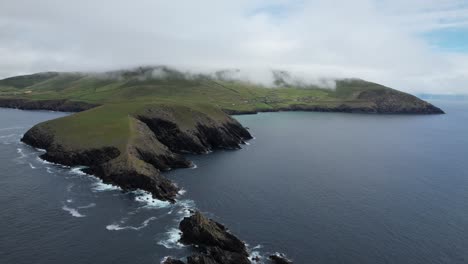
(170, 260)
(280, 259)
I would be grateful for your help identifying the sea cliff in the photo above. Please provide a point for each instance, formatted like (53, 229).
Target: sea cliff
(130, 148)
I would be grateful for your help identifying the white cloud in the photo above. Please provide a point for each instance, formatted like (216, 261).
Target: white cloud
(378, 40)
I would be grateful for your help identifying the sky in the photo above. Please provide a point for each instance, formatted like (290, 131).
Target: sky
(417, 46)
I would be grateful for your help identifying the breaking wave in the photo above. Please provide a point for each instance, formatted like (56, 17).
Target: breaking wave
(146, 198)
(100, 186)
(171, 240)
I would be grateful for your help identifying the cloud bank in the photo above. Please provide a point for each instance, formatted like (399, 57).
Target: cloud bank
(377, 40)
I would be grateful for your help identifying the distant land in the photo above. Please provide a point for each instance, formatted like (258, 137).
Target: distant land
(221, 89)
(133, 124)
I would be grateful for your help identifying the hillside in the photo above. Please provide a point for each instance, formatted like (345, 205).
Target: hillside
(162, 84)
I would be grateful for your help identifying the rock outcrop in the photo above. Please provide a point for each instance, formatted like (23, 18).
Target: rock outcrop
(279, 259)
(213, 241)
(170, 260)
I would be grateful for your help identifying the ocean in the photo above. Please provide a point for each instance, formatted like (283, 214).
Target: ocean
(319, 187)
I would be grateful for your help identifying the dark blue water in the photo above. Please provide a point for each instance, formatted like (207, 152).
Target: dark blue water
(320, 187)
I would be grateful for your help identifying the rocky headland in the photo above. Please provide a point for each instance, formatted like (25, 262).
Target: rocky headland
(130, 149)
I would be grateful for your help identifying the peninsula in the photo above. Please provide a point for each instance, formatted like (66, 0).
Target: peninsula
(133, 124)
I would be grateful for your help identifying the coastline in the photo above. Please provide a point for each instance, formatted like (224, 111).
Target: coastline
(104, 157)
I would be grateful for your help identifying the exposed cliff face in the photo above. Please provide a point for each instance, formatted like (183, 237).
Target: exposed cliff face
(52, 105)
(199, 230)
(395, 102)
(148, 140)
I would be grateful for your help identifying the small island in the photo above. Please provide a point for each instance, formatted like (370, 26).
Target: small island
(132, 125)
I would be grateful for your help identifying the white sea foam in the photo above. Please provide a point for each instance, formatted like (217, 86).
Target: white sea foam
(186, 208)
(181, 192)
(194, 166)
(72, 211)
(49, 170)
(258, 247)
(20, 151)
(100, 186)
(46, 162)
(116, 227)
(146, 198)
(78, 170)
(69, 201)
(41, 150)
(255, 257)
(171, 240)
(32, 166)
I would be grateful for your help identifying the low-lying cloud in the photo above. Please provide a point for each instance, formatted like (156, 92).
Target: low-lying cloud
(268, 78)
(377, 40)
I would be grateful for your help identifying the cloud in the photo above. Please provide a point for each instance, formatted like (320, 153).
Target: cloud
(377, 40)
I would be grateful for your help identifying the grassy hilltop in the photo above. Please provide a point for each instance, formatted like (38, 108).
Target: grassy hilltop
(218, 89)
(139, 122)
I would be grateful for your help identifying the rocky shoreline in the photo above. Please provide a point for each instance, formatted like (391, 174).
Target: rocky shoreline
(211, 241)
(157, 143)
(60, 105)
(161, 136)
(383, 104)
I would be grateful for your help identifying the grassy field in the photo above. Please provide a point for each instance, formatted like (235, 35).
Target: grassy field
(137, 86)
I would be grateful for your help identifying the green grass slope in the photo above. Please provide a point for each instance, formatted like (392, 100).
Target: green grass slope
(140, 85)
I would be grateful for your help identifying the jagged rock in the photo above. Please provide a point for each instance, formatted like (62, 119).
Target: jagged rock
(199, 230)
(215, 255)
(217, 245)
(280, 259)
(170, 260)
